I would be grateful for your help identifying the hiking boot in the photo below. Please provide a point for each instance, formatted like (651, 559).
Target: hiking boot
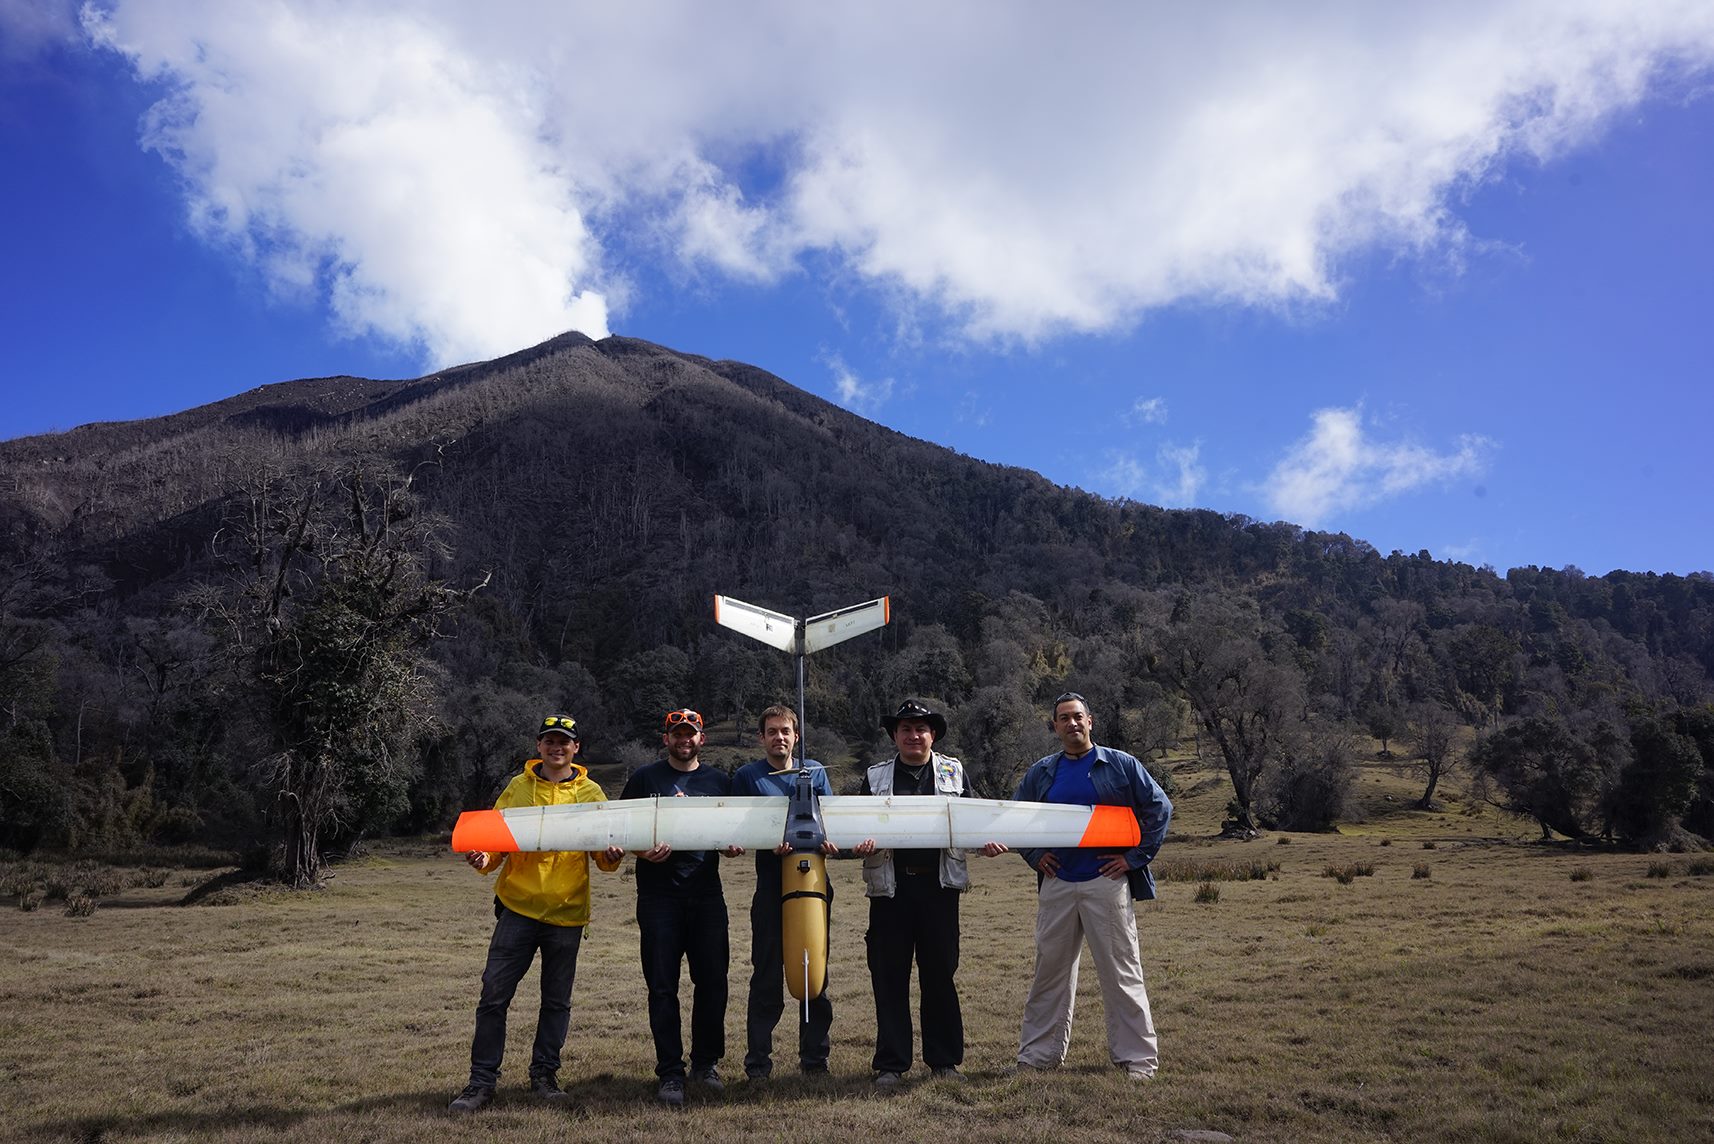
(813, 1068)
(888, 1081)
(474, 1098)
(708, 1078)
(948, 1072)
(547, 1088)
(758, 1072)
(671, 1092)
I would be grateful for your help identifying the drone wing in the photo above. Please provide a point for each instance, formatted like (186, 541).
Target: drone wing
(633, 824)
(772, 628)
(915, 821)
(830, 628)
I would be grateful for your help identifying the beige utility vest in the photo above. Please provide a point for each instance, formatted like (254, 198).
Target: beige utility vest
(879, 878)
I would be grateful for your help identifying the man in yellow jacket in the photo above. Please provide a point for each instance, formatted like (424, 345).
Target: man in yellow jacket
(541, 901)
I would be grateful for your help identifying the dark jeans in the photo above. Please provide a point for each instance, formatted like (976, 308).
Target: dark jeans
(516, 939)
(922, 918)
(692, 929)
(768, 981)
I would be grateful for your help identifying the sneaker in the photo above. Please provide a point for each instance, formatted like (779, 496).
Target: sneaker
(888, 1081)
(948, 1072)
(671, 1092)
(1138, 1073)
(708, 1078)
(474, 1098)
(547, 1088)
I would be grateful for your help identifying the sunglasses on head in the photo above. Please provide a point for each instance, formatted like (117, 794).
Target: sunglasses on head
(674, 718)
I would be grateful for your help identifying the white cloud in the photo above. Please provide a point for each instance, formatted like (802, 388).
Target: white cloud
(358, 149)
(1124, 476)
(1468, 552)
(1184, 477)
(1174, 481)
(29, 27)
(1147, 411)
(1338, 467)
(973, 409)
(856, 394)
(458, 174)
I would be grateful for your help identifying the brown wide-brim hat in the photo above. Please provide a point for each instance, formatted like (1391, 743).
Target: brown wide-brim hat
(915, 709)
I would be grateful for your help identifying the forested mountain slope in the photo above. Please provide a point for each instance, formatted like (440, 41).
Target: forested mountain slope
(600, 493)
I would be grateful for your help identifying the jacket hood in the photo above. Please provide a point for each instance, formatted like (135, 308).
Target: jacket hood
(578, 771)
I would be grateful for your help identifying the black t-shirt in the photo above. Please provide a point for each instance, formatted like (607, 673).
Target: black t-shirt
(687, 871)
(912, 780)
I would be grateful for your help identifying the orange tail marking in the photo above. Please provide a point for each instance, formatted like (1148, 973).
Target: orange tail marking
(482, 830)
(1112, 826)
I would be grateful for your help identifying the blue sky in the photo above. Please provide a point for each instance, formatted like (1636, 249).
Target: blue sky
(1437, 277)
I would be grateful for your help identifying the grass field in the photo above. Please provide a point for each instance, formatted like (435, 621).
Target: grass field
(1472, 985)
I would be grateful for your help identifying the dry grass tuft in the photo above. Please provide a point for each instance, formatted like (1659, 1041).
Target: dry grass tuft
(79, 906)
(1207, 893)
(1184, 870)
(1348, 872)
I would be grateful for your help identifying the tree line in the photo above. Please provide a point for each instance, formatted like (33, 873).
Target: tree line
(284, 634)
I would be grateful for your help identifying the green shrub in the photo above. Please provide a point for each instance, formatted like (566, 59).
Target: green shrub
(79, 905)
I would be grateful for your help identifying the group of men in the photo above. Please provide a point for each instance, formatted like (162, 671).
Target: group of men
(542, 904)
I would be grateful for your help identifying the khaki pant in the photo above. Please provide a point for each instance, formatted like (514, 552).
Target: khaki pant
(1066, 912)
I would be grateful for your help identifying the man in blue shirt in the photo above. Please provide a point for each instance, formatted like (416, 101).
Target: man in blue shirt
(1090, 892)
(775, 775)
(681, 916)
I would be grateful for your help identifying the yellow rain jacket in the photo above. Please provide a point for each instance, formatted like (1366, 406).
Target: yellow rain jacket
(550, 886)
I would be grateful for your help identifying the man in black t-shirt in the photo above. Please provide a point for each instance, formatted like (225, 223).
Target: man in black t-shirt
(681, 916)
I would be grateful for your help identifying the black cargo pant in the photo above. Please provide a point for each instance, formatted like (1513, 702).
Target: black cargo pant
(920, 920)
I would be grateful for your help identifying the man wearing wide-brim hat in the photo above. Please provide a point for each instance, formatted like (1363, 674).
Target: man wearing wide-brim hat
(913, 906)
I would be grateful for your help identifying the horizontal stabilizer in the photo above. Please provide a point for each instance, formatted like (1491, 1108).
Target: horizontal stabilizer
(772, 628)
(901, 822)
(830, 628)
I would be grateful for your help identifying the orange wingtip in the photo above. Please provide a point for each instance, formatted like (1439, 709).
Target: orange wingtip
(482, 830)
(1112, 826)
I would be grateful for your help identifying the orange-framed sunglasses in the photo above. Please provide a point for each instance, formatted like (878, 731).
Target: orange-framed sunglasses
(684, 715)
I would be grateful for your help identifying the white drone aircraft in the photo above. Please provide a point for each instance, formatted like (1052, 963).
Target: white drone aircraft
(806, 819)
